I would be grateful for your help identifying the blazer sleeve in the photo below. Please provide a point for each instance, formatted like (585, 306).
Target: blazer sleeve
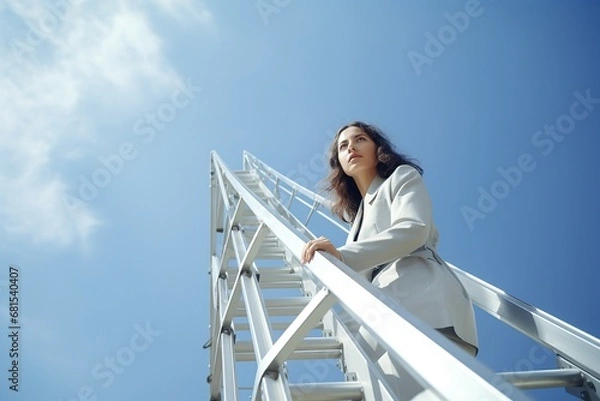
(409, 226)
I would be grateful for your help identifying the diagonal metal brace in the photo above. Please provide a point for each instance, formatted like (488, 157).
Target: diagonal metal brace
(292, 337)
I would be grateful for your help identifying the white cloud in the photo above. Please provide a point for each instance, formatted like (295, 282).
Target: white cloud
(95, 61)
(186, 10)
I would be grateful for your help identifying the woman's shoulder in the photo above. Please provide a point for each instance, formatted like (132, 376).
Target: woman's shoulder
(403, 173)
(402, 177)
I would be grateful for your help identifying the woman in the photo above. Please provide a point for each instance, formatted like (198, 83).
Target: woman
(393, 239)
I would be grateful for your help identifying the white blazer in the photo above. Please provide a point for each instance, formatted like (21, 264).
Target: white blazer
(397, 233)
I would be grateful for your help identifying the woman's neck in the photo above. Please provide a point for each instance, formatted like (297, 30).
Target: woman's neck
(363, 181)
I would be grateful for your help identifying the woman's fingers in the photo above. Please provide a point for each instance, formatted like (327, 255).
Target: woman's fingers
(319, 244)
(307, 252)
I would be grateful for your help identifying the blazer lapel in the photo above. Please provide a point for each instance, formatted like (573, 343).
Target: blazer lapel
(355, 224)
(369, 198)
(373, 189)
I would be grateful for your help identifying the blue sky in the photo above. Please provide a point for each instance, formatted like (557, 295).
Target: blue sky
(109, 112)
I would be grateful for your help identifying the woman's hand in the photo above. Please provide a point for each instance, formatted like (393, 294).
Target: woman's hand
(318, 244)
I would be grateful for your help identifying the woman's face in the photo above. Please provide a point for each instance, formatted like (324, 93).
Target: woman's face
(357, 153)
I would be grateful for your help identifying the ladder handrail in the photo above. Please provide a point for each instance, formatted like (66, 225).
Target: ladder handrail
(276, 177)
(455, 375)
(256, 162)
(575, 345)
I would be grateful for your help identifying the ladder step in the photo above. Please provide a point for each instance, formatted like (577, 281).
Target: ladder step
(550, 378)
(274, 326)
(269, 240)
(309, 348)
(280, 284)
(270, 253)
(267, 277)
(246, 174)
(276, 284)
(274, 280)
(279, 306)
(267, 271)
(296, 355)
(248, 179)
(334, 391)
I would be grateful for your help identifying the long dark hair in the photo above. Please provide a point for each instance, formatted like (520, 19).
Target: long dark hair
(346, 196)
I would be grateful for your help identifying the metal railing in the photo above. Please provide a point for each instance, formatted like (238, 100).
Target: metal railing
(454, 375)
(573, 345)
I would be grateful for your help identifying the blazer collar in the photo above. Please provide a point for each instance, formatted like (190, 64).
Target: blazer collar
(369, 198)
(373, 189)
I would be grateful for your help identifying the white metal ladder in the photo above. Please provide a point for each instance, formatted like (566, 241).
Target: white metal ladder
(269, 313)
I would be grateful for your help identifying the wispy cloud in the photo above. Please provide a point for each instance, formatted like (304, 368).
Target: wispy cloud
(67, 70)
(186, 10)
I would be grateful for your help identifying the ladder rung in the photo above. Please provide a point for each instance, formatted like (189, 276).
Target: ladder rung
(296, 355)
(283, 269)
(250, 230)
(280, 306)
(309, 343)
(274, 326)
(538, 379)
(246, 175)
(270, 243)
(264, 254)
(252, 183)
(270, 252)
(273, 280)
(251, 177)
(309, 348)
(232, 271)
(273, 277)
(266, 248)
(280, 284)
(335, 391)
